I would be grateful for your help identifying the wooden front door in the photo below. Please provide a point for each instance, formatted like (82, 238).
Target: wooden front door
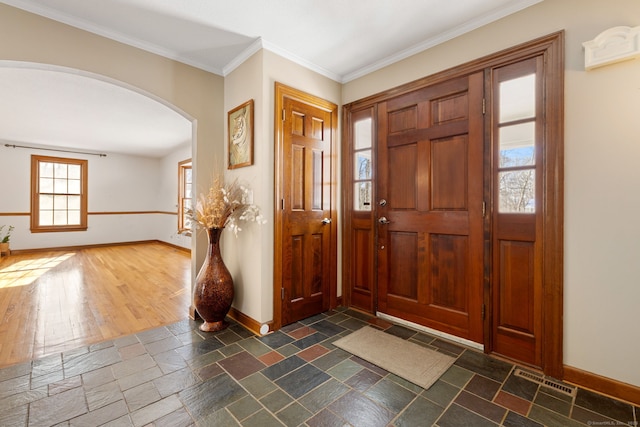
(306, 220)
(430, 207)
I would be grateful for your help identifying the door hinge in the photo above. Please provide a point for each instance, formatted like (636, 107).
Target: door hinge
(284, 115)
(484, 106)
(484, 209)
(282, 293)
(483, 311)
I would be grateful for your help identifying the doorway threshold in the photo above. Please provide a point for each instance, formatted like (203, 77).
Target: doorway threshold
(431, 331)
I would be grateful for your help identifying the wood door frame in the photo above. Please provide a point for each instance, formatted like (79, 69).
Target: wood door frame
(551, 47)
(281, 93)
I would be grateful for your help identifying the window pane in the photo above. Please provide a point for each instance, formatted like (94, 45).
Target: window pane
(518, 98)
(517, 191)
(187, 191)
(363, 165)
(59, 202)
(60, 186)
(73, 202)
(46, 170)
(46, 217)
(73, 217)
(362, 133)
(187, 176)
(46, 201)
(362, 196)
(74, 171)
(60, 170)
(46, 185)
(517, 144)
(73, 186)
(59, 217)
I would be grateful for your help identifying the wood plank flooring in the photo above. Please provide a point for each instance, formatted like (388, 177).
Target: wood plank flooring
(55, 301)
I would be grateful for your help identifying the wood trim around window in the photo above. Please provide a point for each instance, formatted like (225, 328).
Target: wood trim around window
(35, 192)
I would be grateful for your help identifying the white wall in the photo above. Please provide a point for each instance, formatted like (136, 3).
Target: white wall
(117, 183)
(602, 201)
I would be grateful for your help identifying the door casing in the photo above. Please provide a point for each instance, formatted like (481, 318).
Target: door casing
(551, 48)
(283, 92)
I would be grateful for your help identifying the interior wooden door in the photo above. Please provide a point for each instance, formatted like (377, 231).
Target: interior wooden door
(307, 265)
(430, 207)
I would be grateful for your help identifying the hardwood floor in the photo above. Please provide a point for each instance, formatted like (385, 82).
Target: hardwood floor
(55, 301)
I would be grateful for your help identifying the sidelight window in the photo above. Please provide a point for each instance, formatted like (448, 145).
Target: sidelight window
(362, 172)
(516, 144)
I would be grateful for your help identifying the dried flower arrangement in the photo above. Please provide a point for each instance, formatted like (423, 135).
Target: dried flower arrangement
(7, 236)
(225, 205)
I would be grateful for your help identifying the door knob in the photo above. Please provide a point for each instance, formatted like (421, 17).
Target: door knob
(326, 221)
(383, 220)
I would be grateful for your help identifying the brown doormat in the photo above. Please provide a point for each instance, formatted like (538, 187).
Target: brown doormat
(413, 362)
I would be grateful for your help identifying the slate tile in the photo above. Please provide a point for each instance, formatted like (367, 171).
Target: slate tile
(361, 411)
(550, 402)
(456, 416)
(258, 385)
(447, 347)
(170, 361)
(363, 380)
(323, 395)
(310, 340)
(302, 380)
(254, 346)
(293, 415)
(457, 376)
(481, 406)
(241, 365)
(138, 378)
(331, 359)
(551, 419)
(244, 407)
(14, 386)
(211, 395)
(390, 395)
(141, 396)
(276, 371)
(133, 366)
(276, 400)
(177, 418)
(483, 387)
(326, 418)
(58, 408)
(521, 387)
(421, 412)
(328, 328)
(14, 416)
(103, 395)
(516, 420)
(46, 365)
(152, 335)
(482, 364)
(513, 403)
(154, 411)
(175, 382)
(88, 362)
(101, 416)
(165, 344)
(441, 393)
(604, 405)
(15, 371)
(276, 339)
(262, 419)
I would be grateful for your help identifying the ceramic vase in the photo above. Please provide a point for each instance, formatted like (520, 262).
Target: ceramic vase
(213, 292)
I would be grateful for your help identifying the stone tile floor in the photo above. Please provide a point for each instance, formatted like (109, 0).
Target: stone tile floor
(179, 376)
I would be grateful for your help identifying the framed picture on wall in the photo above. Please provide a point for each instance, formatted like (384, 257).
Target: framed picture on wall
(240, 125)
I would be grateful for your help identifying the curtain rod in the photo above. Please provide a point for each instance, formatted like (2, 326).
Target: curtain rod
(54, 149)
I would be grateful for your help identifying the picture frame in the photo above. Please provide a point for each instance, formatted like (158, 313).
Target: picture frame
(240, 139)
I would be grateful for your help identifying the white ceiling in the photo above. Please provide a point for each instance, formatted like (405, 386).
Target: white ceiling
(340, 39)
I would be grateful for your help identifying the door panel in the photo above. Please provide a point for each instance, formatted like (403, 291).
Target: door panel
(517, 214)
(306, 210)
(430, 170)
